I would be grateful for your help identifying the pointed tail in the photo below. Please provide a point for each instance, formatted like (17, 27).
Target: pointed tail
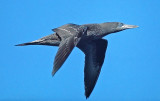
(29, 43)
(50, 40)
(41, 42)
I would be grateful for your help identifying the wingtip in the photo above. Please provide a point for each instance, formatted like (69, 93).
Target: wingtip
(53, 73)
(87, 96)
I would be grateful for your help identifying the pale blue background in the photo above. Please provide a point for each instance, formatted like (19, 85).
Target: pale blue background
(131, 70)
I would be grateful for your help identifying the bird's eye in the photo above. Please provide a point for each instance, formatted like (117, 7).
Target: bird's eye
(120, 24)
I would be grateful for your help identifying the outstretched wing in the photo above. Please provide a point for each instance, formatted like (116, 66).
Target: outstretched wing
(94, 58)
(64, 50)
(66, 46)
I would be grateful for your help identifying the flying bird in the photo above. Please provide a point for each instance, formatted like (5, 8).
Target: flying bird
(88, 38)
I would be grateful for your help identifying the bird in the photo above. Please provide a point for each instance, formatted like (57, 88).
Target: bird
(89, 39)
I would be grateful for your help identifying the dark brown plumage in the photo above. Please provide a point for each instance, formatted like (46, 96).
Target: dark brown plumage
(87, 38)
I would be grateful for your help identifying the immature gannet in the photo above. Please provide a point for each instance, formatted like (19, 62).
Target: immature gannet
(88, 38)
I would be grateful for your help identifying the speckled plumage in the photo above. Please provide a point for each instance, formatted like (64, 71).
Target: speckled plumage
(88, 38)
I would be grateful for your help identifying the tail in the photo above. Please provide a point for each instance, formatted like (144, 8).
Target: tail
(41, 42)
(29, 43)
(50, 40)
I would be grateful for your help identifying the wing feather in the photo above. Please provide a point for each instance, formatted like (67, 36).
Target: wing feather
(94, 58)
(67, 44)
(64, 50)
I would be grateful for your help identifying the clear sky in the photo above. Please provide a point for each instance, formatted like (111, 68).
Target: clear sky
(131, 70)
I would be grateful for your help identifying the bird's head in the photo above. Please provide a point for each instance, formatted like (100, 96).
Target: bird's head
(112, 27)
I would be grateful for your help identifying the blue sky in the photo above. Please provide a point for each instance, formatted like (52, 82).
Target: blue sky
(131, 70)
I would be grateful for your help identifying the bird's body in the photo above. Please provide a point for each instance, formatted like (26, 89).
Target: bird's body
(88, 38)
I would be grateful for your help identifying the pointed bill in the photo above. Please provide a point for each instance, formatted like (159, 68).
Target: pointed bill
(125, 26)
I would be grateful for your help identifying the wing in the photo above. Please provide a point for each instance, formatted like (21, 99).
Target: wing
(69, 30)
(65, 48)
(94, 58)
